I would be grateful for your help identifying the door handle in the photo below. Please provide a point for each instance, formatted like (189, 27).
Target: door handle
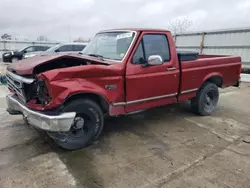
(171, 69)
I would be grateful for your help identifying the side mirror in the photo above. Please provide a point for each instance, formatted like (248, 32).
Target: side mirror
(24, 51)
(57, 50)
(155, 60)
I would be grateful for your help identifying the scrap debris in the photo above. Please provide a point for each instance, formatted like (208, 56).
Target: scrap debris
(3, 79)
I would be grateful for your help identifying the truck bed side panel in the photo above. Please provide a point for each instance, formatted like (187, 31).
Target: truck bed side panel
(195, 73)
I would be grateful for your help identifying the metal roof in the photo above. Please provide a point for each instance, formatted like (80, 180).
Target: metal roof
(218, 31)
(136, 29)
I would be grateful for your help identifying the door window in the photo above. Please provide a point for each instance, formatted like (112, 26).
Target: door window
(152, 44)
(78, 47)
(30, 49)
(156, 45)
(65, 48)
(139, 55)
(39, 48)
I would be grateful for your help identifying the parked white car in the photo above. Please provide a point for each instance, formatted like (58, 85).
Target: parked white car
(66, 48)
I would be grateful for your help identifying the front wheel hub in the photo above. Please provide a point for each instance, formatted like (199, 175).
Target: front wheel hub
(79, 123)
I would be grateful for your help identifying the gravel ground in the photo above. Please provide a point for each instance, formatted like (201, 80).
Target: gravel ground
(163, 147)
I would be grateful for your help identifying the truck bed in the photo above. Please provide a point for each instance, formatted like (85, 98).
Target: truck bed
(225, 69)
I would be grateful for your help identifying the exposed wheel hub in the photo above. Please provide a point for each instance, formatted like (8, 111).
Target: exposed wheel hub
(208, 99)
(79, 123)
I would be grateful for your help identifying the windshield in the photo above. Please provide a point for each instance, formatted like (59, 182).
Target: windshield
(53, 48)
(110, 45)
(22, 49)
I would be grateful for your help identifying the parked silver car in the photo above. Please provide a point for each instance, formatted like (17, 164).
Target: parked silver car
(65, 48)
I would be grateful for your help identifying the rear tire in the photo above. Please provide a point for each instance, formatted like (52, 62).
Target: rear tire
(87, 126)
(14, 59)
(206, 99)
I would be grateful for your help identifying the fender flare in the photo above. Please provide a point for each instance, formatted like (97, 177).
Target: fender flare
(213, 75)
(99, 98)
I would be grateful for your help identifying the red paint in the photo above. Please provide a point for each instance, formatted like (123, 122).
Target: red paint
(66, 82)
(133, 82)
(146, 82)
(26, 66)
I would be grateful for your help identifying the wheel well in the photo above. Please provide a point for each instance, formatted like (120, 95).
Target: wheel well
(216, 80)
(97, 98)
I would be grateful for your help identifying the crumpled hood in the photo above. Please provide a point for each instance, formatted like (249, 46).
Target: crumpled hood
(26, 66)
(83, 72)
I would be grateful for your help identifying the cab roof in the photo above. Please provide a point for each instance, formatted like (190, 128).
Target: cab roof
(137, 29)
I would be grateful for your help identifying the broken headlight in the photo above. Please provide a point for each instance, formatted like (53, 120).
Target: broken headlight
(43, 96)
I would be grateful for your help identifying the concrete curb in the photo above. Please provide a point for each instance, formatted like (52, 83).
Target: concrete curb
(245, 77)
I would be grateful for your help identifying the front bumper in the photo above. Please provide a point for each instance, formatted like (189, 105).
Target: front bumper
(6, 59)
(58, 123)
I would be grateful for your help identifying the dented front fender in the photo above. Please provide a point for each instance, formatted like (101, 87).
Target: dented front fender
(110, 88)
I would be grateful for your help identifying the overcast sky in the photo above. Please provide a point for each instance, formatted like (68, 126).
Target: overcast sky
(60, 19)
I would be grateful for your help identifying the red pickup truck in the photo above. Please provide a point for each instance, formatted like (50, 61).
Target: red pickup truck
(119, 72)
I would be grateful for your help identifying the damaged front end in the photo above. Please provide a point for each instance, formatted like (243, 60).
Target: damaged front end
(25, 79)
(57, 123)
(17, 85)
(39, 92)
(26, 90)
(42, 94)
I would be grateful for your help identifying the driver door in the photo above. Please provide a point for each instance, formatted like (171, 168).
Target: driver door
(150, 86)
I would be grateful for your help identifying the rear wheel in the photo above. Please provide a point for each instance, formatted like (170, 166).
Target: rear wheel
(86, 128)
(206, 99)
(14, 59)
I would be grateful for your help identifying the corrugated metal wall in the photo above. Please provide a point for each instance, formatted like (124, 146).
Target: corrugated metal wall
(223, 42)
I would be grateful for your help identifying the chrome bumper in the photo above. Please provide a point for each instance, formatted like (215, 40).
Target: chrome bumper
(59, 123)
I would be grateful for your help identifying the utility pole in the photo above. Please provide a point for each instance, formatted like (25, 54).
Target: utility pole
(69, 32)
